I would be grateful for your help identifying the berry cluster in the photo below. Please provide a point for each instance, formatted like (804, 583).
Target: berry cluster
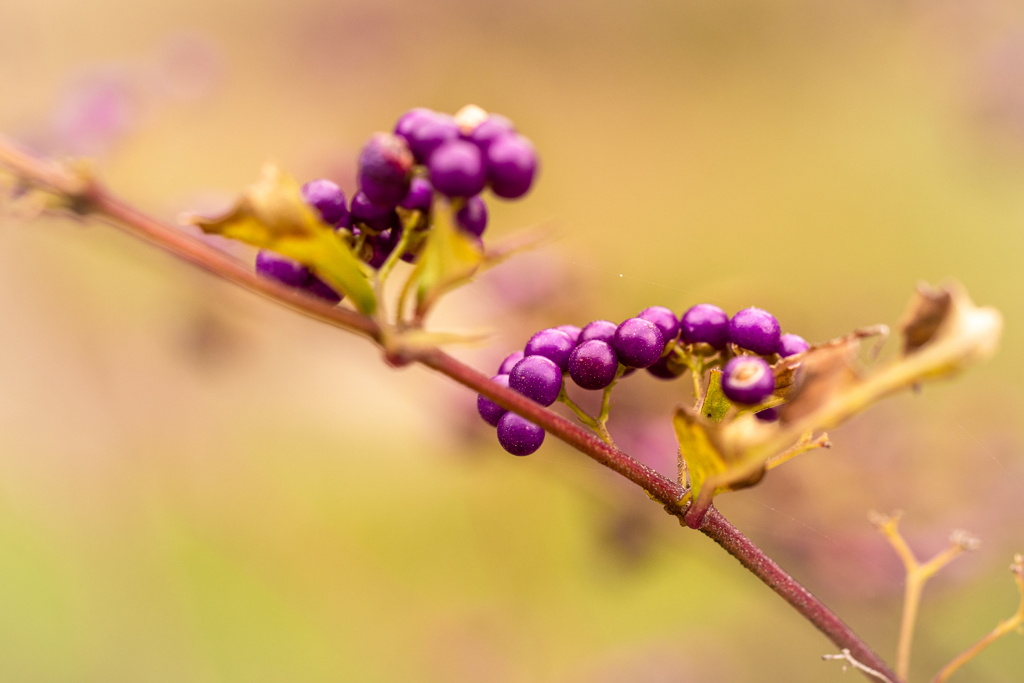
(595, 356)
(429, 154)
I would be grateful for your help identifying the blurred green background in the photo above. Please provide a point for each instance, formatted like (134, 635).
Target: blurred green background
(196, 485)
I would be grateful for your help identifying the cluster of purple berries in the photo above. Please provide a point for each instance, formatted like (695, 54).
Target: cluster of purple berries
(428, 153)
(595, 355)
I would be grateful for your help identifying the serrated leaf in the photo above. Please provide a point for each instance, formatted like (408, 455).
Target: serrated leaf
(449, 258)
(273, 215)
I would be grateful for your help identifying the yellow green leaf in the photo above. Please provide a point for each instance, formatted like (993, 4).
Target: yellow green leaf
(273, 215)
(449, 258)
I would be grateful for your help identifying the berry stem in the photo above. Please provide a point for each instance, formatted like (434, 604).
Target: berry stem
(83, 195)
(382, 274)
(583, 416)
(606, 407)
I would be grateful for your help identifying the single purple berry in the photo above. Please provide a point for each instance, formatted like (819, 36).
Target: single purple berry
(457, 169)
(510, 362)
(662, 369)
(519, 436)
(490, 411)
(664, 319)
(638, 343)
(281, 268)
(602, 330)
(572, 331)
(492, 128)
(538, 378)
(747, 380)
(384, 166)
(328, 199)
(791, 344)
(472, 217)
(321, 289)
(411, 119)
(430, 131)
(553, 344)
(511, 165)
(705, 324)
(420, 196)
(755, 330)
(593, 364)
(767, 415)
(373, 216)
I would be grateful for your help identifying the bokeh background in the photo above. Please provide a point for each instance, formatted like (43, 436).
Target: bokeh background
(196, 485)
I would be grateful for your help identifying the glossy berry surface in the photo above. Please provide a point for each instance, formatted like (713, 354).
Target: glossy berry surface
(538, 378)
(510, 362)
(705, 324)
(472, 217)
(410, 119)
(321, 290)
(385, 163)
(281, 268)
(428, 132)
(553, 344)
(603, 330)
(664, 319)
(511, 166)
(638, 343)
(420, 196)
(767, 415)
(328, 199)
(374, 216)
(662, 369)
(572, 331)
(492, 128)
(592, 364)
(457, 169)
(747, 380)
(791, 344)
(756, 330)
(519, 436)
(490, 411)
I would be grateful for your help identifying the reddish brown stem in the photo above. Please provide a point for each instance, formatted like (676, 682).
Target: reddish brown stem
(89, 198)
(717, 528)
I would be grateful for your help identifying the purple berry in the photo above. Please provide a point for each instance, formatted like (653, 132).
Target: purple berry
(602, 330)
(411, 119)
(572, 331)
(592, 364)
(519, 436)
(281, 268)
(492, 128)
(472, 217)
(490, 411)
(662, 369)
(329, 199)
(791, 344)
(767, 415)
(538, 378)
(511, 166)
(638, 343)
(381, 246)
(747, 380)
(420, 196)
(373, 216)
(457, 169)
(705, 324)
(664, 319)
(553, 344)
(322, 290)
(510, 362)
(755, 330)
(384, 166)
(430, 131)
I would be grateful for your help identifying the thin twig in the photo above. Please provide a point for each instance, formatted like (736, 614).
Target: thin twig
(88, 197)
